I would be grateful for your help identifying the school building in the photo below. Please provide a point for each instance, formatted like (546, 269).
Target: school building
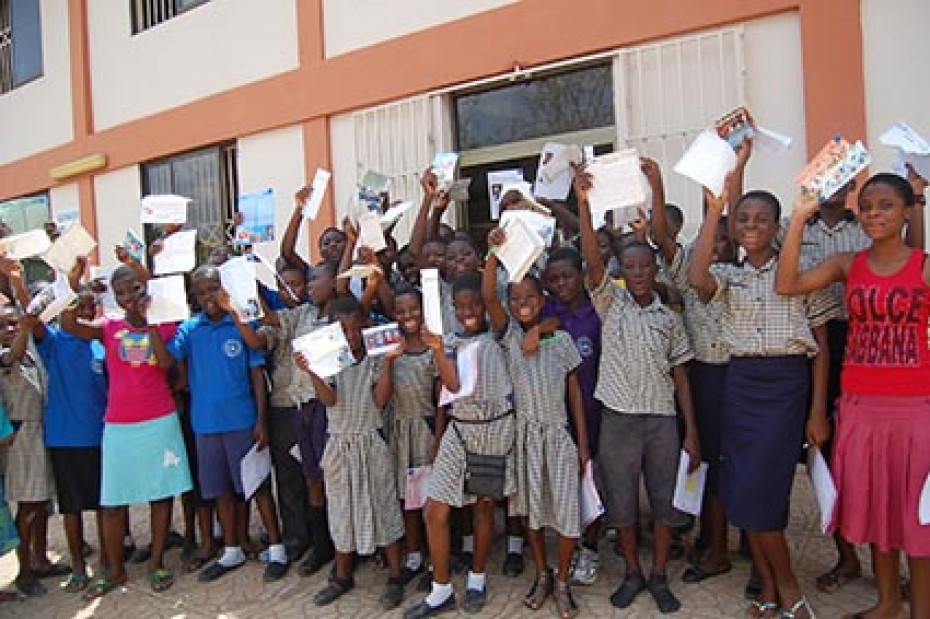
(105, 101)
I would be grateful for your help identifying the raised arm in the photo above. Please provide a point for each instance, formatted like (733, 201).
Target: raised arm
(292, 231)
(492, 303)
(734, 182)
(915, 236)
(14, 273)
(789, 280)
(660, 230)
(138, 268)
(699, 272)
(448, 372)
(345, 262)
(592, 258)
(430, 184)
(69, 322)
(252, 338)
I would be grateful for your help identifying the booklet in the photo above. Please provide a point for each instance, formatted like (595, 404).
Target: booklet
(824, 488)
(317, 191)
(178, 253)
(543, 225)
(167, 300)
(432, 304)
(521, 249)
(735, 127)
(134, 246)
(164, 209)
(466, 361)
(25, 245)
(258, 214)
(689, 487)
(415, 491)
(325, 349)
(837, 163)
(75, 242)
(496, 182)
(444, 169)
(255, 468)
(618, 185)
(237, 276)
(590, 502)
(370, 233)
(708, 161)
(381, 339)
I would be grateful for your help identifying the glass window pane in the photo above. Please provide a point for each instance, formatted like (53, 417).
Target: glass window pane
(570, 101)
(27, 40)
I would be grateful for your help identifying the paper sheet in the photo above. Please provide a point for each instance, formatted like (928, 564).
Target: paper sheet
(394, 213)
(357, 271)
(521, 249)
(543, 225)
(325, 349)
(771, 143)
(444, 169)
(708, 161)
(466, 361)
(381, 339)
(432, 304)
(164, 209)
(255, 468)
(237, 276)
(496, 182)
(556, 159)
(74, 243)
(618, 182)
(370, 233)
(178, 253)
(924, 507)
(415, 491)
(689, 488)
(921, 164)
(824, 488)
(25, 245)
(317, 191)
(168, 300)
(258, 218)
(590, 502)
(901, 136)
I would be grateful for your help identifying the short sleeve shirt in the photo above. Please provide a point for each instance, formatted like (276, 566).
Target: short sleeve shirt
(138, 385)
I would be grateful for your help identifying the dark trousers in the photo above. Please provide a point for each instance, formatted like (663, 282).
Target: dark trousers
(289, 479)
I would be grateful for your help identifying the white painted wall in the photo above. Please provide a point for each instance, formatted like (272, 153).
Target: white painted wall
(209, 49)
(275, 159)
(352, 24)
(64, 198)
(345, 162)
(118, 196)
(895, 50)
(37, 115)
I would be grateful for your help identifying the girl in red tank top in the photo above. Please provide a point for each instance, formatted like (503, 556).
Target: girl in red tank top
(881, 458)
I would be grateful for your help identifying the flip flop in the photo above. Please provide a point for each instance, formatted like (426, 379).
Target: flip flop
(52, 570)
(836, 579)
(161, 579)
(99, 587)
(75, 582)
(30, 587)
(696, 573)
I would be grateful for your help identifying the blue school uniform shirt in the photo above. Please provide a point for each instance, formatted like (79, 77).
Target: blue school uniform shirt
(219, 367)
(77, 389)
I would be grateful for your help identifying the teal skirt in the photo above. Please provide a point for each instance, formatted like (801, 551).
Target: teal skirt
(9, 536)
(144, 461)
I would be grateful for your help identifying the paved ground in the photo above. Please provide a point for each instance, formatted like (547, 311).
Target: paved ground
(243, 594)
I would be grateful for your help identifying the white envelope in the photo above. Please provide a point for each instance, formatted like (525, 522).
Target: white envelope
(237, 276)
(901, 136)
(325, 349)
(25, 245)
(618, 181)
(254, 468)
(178, 253)
(370, 233)
(466, 361)
(590, 502)
(824, 488)
(74, 243)
(432, 304)
(708, 161)
(168, 300)
(317, 191)
(689, 487)
(164, 209)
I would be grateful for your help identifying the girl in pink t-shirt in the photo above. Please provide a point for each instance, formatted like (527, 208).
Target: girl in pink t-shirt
(143, 453)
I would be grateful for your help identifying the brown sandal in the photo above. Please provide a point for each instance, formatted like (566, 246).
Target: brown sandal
(541, 589)
(564, 602)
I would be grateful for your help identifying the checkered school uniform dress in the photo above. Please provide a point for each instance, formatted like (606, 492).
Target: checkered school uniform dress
(23, 387)
(490, 403)
(290, 386)
(361, 500)
(546, 456)
(758, 322)
(414, 409)
(702, 320)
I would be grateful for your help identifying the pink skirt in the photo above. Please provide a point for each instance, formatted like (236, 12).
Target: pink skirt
(881, 459)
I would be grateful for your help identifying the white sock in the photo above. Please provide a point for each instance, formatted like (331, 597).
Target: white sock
(232, 556)
(514, 545)
(468, 543)
(414, 561)
(475, 581)
(277, 553)
(439, 594)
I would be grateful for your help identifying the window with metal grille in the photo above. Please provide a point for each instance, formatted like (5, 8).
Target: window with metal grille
(209, 178)
(20, 43)
(149, 13)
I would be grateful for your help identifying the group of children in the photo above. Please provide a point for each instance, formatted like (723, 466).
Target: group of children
(618, 352)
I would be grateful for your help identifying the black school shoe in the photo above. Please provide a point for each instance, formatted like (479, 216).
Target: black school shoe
(513, 564)
(423, 610)
(275, 570)
(393, 594)
(216, 570)
(336, 588)
(475, 600)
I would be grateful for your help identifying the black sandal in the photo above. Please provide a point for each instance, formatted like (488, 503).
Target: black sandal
(539, 591)
(336, 588)
(664, 598)
(564, 602)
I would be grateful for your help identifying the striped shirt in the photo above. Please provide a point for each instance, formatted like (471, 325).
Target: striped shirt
(290, 386)
(639, 348)
(355, 411)
(702, 320)
(757, 322)
(493, 394)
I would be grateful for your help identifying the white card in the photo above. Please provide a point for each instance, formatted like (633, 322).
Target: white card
(317, 191)
(689, 487)
(167, 300)
(432, 304)
(901, 136)
(370, 233)
(617, 182)
(255, 468)
(415, 490)
(770, 142)
(521, 249)
(824, 488)
(325, 349)
(164, 209)
(237, 276)
(74, 243)
(466, 361)
(25, 245)
(590, 502)
(543, 225)
(178, 253)
(708, 161)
